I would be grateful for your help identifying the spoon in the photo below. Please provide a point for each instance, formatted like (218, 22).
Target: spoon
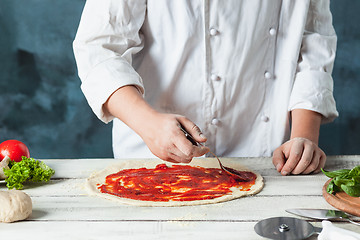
(236, 174)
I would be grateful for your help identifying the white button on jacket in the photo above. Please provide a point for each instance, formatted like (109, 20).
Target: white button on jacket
(215, 77)
(168, 50)
(267, 75)
(264, 118)
(213, 31)
(215, 121)
(272, 31)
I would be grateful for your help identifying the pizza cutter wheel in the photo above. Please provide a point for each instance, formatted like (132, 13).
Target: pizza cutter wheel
(285, 228)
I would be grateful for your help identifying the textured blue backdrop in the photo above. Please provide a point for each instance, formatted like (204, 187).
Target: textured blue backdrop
(42, 105)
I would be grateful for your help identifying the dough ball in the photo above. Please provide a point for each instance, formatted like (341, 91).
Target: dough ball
(15, 205)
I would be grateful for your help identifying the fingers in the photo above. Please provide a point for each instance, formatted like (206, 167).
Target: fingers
(314, 164)
(279, 159)
(186, 150)
(181, 149)
(301, 156)
(175, 158)
(192, 129)
(322, 162)
(306, 159)
(175, 155)
(200, 150)
(166, 138)
(294, 158)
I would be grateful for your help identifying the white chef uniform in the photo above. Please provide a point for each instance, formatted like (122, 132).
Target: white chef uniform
(236, 68)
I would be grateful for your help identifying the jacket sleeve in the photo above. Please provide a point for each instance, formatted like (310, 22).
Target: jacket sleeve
(313, 85)
(108, 36)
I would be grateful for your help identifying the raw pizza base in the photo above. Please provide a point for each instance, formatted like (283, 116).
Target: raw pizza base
(99, 178)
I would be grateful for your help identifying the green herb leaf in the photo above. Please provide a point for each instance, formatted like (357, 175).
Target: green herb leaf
(356, 179)
(344, 180)
(330, 187)
(353, 191)
(355, 171)
(336, 173)
(28, 169)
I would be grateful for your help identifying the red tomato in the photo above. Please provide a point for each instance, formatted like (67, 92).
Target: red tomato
(14, 149)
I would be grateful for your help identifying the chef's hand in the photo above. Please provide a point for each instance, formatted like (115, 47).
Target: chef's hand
(167, 141)
(161, 132)
(298, 156)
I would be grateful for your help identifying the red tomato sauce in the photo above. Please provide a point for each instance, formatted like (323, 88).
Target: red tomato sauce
(175, 183)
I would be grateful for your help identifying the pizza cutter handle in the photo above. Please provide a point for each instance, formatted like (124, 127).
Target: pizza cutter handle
(317, 230)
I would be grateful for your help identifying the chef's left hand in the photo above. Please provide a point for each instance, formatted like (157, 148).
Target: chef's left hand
(299, 156)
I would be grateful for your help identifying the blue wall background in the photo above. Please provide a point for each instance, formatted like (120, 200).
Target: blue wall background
(42, 105)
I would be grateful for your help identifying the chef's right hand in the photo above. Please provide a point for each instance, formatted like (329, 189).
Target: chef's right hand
(167, 141)
(161, 132)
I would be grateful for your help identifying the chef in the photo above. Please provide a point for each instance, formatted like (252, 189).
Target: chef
(244, 78)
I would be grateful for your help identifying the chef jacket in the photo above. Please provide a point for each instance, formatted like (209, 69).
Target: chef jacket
(236, 68)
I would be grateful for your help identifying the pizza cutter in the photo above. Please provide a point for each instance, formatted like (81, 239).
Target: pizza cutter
(285, 228)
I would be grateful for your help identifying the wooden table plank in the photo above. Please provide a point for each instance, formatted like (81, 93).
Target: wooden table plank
(133, 230)
(173, 230)
(95, 209)
(63, 210)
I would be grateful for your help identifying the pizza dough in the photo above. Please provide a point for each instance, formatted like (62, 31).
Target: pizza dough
(15, 205)
(98, 179)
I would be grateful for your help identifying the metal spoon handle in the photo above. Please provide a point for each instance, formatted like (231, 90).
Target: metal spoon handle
(196, 143)
(353, 222)
(221, 166)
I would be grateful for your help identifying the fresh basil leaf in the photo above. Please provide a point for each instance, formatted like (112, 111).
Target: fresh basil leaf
(332, 188)
(344, 180)
(353, 191)
(338, 181)
(335, 214)
(336, 173)
(355, 171)
(356, 179)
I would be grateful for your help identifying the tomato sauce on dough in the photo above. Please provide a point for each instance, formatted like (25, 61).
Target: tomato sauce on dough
(174, 183)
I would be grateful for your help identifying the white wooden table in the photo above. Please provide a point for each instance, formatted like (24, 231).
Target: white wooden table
(63, 210)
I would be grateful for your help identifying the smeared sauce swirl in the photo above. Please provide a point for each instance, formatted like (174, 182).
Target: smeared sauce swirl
(174, 183)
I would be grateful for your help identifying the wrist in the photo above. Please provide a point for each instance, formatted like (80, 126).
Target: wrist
(304, 139)
(128, 105)
(314, 139)
(305, 124)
